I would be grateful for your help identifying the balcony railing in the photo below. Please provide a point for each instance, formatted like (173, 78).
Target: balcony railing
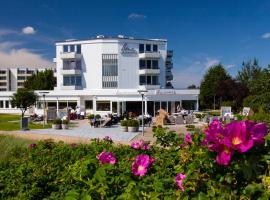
(149, 71)
(70, 55)
(71, 70)
(71, 87)
(150, 54)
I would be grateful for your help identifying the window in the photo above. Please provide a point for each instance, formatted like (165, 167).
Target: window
(142, 64)
(2, 71)
(154, 64)
(88, 104)
(79, 48)
(1, 104)
(141, 48)
(20, 84)
(3, 78)
(65, 48)
(72, 48)
(109, 71)
(142, 80)
(3, 89)
(155, 80)
(148, 64)
(3, 84)
(148, 80)
(72, 80)
(22, 78)
(103, 105)
(155, 47)
(148, 48)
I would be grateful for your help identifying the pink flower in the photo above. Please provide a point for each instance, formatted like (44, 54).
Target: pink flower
(73, 145)
(140, 145)
(188, 138)
(236, 136)
(32, 146)
(107, 157)
(107, 138)
(179, 181)
(141, 164)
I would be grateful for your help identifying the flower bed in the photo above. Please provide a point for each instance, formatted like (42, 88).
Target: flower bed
(177, 168)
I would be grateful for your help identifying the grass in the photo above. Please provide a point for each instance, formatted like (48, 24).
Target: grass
(7, 143)
(9, 117)
(14, 126)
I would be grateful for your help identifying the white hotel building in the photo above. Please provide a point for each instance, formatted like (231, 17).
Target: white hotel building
(103, 75)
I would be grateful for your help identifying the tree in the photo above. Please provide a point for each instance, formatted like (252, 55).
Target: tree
(191, 86)
(249, 71)
(23, 99)
(43, 80)
(210, 83)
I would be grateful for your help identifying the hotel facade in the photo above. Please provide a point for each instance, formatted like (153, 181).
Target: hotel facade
(103, 75)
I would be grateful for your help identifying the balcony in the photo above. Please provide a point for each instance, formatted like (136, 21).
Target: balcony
(71, 71)
(149, 87)
(71, 87)
(169, 77)
(169, 59)
(70, 55)
(169, 65)
(170, 53)
(149, 71)
(154, 55)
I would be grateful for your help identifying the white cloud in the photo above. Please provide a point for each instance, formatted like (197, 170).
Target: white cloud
(5, 31)
(136, 16)
(28, 30)
(210, 62)
(230, 66)
(10, 56)
(193, 72)
(266, 36)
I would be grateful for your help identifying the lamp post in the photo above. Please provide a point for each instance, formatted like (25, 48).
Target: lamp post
(44, 103)
(142, 92)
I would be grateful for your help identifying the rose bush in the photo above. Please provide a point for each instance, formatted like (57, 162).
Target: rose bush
(181, 168)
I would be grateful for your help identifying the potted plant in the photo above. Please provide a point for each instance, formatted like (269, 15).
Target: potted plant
(133, 125)
(124, 126)
(57, 123)
(65, 124)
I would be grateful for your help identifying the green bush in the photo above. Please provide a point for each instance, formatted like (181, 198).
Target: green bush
(57, 121)
(51, 170)
(190, 126)
(97, 116)
(91, 116)
(124, 122)
(133, 123)
(65, 122)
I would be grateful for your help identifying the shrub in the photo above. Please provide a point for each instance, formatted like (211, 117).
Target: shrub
(97, 116)
(91, 116)
(124, 122)
(182, 170)
(65, 122)
(57, 121)
(133, 123)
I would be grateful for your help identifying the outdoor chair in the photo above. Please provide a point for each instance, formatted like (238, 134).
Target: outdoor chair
(179, 120)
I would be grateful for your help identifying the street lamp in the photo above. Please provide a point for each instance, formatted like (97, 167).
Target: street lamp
(142, 92)
(44, 109)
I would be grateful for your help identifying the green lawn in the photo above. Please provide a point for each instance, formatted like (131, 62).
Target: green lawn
(7, 143)
(13, 126)
(9, 117)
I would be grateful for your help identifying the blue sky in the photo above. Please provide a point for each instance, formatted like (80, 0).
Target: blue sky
(201, 33)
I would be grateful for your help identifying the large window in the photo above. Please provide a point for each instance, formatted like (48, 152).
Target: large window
(65, 48)
(149, 80)
(109, 71)
(141, 48)
(148, 47)
(154, 64)
(103, 105)
(3, 78)
(142, 64)
(72, 48)
(149, 64)
(88, 104)
(155, 48)
(72, 80)
(78, 48)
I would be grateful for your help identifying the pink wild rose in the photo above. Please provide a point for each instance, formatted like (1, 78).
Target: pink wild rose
(179, 181)
(107, 157)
